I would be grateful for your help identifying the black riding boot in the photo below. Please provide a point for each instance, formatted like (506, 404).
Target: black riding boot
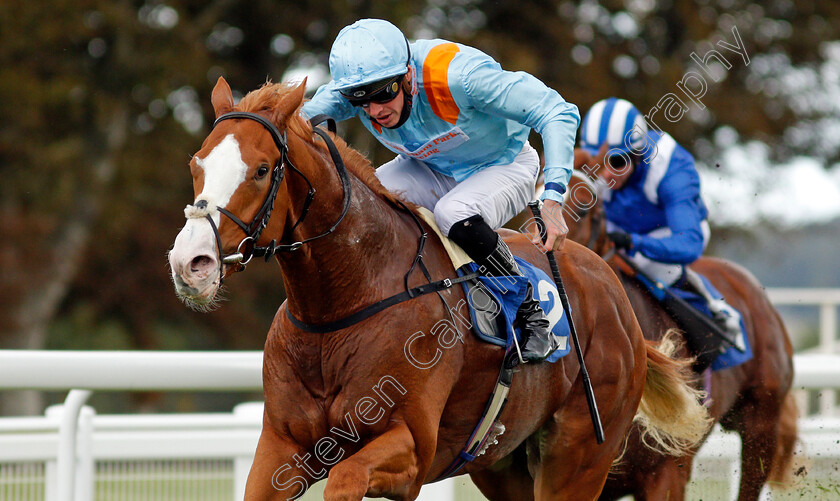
(492, 254)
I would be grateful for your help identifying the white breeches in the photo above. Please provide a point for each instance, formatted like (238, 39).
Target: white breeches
(497, 193)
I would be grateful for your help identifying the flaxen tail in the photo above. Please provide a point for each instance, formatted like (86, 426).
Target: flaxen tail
(672, 418)
(781, 472)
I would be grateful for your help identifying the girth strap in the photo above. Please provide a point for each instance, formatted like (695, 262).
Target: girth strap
(478, 444)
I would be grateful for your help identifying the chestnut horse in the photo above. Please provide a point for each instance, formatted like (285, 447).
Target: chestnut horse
(383, 405)
(751, 399)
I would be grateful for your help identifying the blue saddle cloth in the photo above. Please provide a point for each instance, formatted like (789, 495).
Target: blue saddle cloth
(730, 357)
(506, 294)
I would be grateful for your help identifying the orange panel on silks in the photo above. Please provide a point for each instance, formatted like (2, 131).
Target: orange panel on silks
(436, 81)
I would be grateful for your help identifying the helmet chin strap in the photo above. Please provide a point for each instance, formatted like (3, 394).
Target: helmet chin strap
(408, 99)
(404, 114)
(406, 110)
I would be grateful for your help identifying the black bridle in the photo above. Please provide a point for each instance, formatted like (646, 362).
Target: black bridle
(248, 247)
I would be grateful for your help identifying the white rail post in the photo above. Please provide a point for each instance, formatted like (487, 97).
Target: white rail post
(247, 412)
(51, 492)
(67, 430)
(735, 474)
(828, 331)
(86, 465)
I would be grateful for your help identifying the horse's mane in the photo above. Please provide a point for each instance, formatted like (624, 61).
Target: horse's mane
(268, 97)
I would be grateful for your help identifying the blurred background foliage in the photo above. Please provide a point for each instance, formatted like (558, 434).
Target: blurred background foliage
(102, 102)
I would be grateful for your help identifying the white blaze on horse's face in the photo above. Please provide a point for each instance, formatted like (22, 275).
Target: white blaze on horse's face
(224, 171)
(194, 258)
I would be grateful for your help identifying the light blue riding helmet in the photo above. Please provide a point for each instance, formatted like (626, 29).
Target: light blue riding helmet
(615, 122)
(367, 51)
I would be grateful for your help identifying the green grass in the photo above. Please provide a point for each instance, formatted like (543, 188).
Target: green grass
(194, 481)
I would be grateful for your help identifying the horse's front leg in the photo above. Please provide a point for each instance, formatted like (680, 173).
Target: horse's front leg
(280, 470)
(388, 464)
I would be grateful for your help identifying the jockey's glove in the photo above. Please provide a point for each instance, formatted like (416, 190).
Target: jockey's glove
(621, 240)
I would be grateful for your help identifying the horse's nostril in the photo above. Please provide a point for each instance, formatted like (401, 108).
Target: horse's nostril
(200, 263)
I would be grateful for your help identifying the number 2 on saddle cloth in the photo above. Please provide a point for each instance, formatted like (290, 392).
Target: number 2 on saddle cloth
(494, 301)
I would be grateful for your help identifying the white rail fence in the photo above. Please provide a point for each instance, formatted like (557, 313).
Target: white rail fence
(65, 444)
(72, 453)
(826, 300)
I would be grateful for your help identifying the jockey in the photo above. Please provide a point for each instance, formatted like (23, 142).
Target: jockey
(651, 194)
(459, 125)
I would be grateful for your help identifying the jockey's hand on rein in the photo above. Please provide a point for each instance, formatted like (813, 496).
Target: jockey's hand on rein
(621, 240)
(555, 227)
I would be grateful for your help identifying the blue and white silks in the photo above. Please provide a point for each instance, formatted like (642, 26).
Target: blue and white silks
(730, 357)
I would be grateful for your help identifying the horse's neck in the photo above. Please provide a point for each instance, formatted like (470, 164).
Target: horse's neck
(355, 265)
(601, 244)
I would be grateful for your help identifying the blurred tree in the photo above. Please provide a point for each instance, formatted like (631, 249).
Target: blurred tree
(641, 50)
(102, 102)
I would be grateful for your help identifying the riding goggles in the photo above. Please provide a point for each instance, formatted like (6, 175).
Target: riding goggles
(617, 161)
(380, 92)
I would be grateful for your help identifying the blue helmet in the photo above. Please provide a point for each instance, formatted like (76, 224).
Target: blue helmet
(615, 122)
(368, 51)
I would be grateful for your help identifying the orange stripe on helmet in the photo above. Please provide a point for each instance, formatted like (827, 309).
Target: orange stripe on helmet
(436, 81)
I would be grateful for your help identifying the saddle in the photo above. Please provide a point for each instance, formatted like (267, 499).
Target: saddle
(493, 301)
(690, 311)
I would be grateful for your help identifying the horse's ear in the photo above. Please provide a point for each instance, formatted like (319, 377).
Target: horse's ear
(222, 97)
(289, 103)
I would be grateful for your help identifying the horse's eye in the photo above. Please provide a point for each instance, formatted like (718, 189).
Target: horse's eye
(262, 171)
